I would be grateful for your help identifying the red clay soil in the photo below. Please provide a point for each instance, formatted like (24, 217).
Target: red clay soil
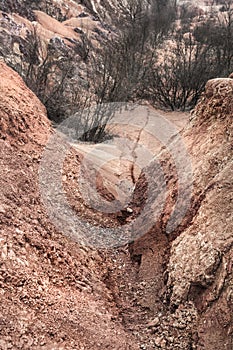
(52, 291)
(171, 292)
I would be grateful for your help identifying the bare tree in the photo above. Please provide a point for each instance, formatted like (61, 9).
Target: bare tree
(176, 83)
(217, 32)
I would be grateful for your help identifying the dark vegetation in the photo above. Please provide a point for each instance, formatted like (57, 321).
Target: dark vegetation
(157, 51)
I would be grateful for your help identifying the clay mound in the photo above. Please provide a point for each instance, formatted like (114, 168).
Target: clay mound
(23, 117)
(197, 282)
(53, 294)
(201, 257)
(217, 101)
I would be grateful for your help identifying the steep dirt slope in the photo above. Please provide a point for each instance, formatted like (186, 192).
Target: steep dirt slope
(52, 291)
(200, 267)
(187, 288)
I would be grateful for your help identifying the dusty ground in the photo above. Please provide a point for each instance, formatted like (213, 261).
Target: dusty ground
(170, 291)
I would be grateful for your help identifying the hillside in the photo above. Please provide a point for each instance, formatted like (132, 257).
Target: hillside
(116, 216)
(170, 291)
(53, 293)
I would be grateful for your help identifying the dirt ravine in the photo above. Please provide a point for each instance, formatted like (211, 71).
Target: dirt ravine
(159, 292)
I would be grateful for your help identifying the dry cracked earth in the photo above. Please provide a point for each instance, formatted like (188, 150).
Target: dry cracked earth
(160, 291)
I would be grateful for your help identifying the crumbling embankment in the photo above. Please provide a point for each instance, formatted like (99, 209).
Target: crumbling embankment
(188, 273)
(52, 290)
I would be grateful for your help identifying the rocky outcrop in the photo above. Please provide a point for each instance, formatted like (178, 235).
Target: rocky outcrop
(64, 21)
